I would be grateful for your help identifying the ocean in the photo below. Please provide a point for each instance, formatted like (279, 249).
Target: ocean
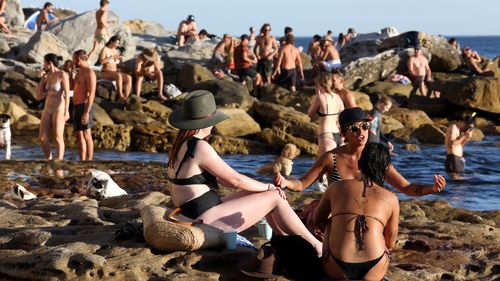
(488, 46)
(480, 192)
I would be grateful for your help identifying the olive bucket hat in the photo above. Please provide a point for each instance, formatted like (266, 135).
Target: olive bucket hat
(198, 111)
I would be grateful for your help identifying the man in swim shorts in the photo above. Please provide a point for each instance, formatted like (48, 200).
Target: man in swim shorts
(288, 64)
(419, 71)
(457, 135)
(244, 61)
(101, 35)
(265, 49)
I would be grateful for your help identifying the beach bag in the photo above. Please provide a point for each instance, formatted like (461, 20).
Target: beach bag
(100, 186)
(172, 91)
(163, 231)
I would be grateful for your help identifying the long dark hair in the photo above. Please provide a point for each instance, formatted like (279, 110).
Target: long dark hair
(181, 137)
(53, 58)
(374, 161)
(113, 39)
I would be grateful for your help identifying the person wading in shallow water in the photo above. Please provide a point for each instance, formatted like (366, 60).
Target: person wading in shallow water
(457, 134)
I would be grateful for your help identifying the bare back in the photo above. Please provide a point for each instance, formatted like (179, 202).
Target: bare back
(101, 17)
(331, 105)
(290, 57)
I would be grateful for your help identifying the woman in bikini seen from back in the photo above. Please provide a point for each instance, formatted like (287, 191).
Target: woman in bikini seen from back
(195, 169)
(341, 163)
(54, 88)
(364, 220)
(327, 105)
(110, 58)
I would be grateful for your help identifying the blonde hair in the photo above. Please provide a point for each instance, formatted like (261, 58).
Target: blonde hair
(324, 80)
(385, 100)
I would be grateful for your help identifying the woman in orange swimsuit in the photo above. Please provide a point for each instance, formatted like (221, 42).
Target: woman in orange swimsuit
(54, 88)
(110, 58)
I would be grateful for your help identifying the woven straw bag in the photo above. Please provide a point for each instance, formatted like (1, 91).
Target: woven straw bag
(165, 235)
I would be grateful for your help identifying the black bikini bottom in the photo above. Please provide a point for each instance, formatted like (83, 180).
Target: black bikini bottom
(197, 206)
(357, 270)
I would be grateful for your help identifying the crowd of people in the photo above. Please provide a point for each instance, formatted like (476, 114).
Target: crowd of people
(354, 156)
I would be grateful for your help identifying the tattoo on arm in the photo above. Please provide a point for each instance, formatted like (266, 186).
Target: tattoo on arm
(419, 189)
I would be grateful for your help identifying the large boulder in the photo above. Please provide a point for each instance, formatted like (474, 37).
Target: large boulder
(481, 93)
(226, 93)
(155, 136)
(14, 111)
(390, 124)
(139, 26)
(26, 120)
(365, 45)
(231, 145)
(77, 32)
(15, 13)
(120, 116)
(158, 110)
(115, 137)
(239, 124)
(40, 44)
(193, 73)
(18, 84)
(269, 112)
(388, 88)
(430, 134)
(101, 116)
(362, 100)
(411, 119)
(199, 52)
(444, 56)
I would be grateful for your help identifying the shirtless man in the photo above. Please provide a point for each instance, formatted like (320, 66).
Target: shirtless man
(83, 99)
(338, 87)
(244, 62)
(187, 28)
(472, 59)
(314, 49)
(101, 34)
(288, 61)
(329, 58)
(419, 71)
(221, 51)
(43, 21)
(3, 17)
(265, 49)
(457, 135)
(148, 65)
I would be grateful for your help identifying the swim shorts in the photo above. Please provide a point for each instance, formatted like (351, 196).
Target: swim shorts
(265, 67)
(246, 72)
(77, 118)
(454, 164)
(288, 77)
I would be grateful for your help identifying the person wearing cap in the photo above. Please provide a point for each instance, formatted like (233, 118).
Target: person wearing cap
(289, 64)
(338, 75)
(419, 71)
(364, 205)
(148, 66)
(329, 58)
(244, 63)
(101, 34)
(265, 49)
(187, 28)
(83, 101)
(195, 169)
(341, 163)
(457, 134)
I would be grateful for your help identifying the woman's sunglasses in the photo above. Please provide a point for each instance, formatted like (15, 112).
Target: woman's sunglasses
(356, 128)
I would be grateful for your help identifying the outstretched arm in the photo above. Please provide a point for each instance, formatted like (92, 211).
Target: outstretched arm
(394, 178)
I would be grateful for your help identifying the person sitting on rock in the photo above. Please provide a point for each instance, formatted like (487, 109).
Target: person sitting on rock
(472, 60)
(101, 34)
(364, 205)
(289, 64)
(330, 58)
(244, 63)
(221, 52)
(3, 17)
(110, 58)
(419, 71)
(195, 169)
(382, 106)
(314, 50)
(44, 19)
(186, 30)
(338, 87)
(148, 66)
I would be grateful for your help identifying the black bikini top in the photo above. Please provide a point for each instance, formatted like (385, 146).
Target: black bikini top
(204, 178)
(320, 114)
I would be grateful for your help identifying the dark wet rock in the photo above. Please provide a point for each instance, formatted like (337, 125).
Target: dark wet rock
(40, 44)
(411, 119)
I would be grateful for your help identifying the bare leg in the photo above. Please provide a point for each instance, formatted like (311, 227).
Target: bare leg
(159, 81)
(94, 48)
(114, 76)
(82, 147)
(181, 40)
(58, 127)
(423, 89)
(87, 134)
(44, 134)
(325, 144)
(127, 82)
(138, 85)
(238, 212)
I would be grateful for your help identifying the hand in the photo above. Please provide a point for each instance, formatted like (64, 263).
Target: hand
(282, 193)
(85, 119)
(279, 180)
(301, 76)
(66, 116)
(439, 183)
(390, 146)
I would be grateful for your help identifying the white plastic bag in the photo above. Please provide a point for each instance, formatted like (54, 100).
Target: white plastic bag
(172, 91)
(100, 185)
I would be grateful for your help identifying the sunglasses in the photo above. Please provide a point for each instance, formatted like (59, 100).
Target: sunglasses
(356, 128)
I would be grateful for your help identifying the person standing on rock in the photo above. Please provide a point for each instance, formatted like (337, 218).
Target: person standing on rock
(148, 66)
(338, 87)
(383, 105)
(186, 30)
(265, 49)
(195, 169)
(3, 17)
(54, 88)
(288, 64)
(101, 34)
(244, 62)
(314, 50)
(419, 71)
(83, 101)
(45, 19)
(457, 135)
(110, 59)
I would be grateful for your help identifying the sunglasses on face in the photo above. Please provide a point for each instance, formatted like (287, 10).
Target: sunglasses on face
(356, 128)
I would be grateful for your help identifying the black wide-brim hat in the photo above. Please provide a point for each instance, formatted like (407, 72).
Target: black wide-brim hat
(198, 111)
(261, 264)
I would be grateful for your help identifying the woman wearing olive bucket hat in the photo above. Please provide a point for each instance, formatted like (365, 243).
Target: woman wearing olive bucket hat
(194, 168)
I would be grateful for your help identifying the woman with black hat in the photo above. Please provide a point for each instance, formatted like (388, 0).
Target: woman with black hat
(194, 169)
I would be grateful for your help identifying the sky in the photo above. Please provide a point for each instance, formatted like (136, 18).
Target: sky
(309, 17)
